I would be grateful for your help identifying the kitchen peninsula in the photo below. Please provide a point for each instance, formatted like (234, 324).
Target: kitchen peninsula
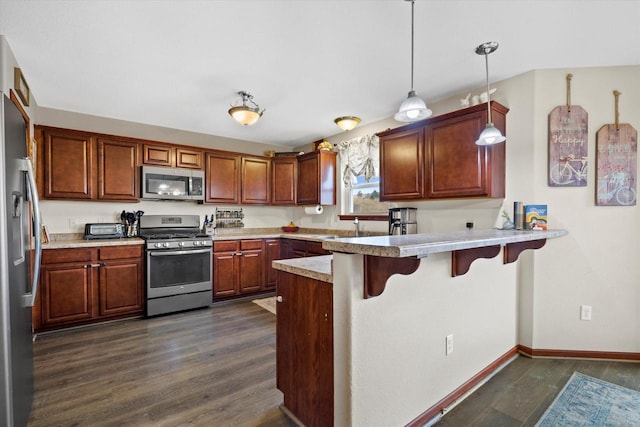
(390, 365)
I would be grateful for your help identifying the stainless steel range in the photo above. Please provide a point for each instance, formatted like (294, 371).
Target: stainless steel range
(179, 268)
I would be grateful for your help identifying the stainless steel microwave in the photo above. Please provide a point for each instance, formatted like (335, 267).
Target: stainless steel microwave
(160, 183)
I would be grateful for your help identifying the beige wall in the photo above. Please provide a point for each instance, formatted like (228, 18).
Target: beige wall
(7, 64)
(597, 264)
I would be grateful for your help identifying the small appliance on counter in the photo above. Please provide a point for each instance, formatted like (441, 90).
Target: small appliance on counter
(131, 221)
(402, 221)
(103, 230)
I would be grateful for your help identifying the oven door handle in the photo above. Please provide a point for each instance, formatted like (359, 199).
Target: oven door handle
(161, 253)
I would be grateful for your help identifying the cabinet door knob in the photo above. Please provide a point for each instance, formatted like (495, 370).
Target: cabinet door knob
(279, 298)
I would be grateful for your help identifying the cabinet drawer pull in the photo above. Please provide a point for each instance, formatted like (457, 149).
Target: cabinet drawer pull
(279, 298)
(94, 265)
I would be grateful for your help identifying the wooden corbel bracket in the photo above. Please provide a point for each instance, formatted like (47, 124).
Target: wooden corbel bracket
(461, 260)
(512, 250)
(378, 269)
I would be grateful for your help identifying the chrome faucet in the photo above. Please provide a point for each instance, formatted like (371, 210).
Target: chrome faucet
(357, 224)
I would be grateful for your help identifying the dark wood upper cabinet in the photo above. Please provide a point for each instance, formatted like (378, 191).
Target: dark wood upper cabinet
(255, 181)
(158, 155)
(317, 178)
(284, 180)
(222, 175)
(69, 164)
(402, 173)
(187, 158)
(118, 173)
(83, 166)
(437, 158)
(171, 156)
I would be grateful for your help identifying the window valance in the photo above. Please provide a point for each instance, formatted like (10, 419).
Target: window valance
(359, 156)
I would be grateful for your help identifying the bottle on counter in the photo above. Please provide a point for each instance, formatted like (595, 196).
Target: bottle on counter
(518, 215)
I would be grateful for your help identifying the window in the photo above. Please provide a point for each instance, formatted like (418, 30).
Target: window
(360, 166)
(364, 197)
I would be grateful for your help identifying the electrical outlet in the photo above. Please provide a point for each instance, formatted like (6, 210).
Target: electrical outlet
(585, 312)
(449, 345)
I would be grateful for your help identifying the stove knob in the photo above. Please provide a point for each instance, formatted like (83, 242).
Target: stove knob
(195, 243)
(181, 244)
(158, 245)
(165, 244)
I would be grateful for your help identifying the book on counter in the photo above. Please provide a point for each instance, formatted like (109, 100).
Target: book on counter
(535, 217)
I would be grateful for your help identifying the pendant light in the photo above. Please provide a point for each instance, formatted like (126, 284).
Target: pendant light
(490, 135)
(413, 108)
(244, 114)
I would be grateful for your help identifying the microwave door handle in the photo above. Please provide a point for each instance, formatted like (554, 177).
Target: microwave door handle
(161, 253)
(29, 299)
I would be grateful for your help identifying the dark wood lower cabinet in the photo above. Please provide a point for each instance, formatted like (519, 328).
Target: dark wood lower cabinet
(273, 251)
(119, 287)
(87, 285)
(293, 248)
(238, 267)
(304, 348)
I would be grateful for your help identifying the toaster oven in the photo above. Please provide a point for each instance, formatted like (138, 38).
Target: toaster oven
(103, 230)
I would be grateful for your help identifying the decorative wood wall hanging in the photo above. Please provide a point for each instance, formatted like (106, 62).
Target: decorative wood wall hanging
(568, 144)
(616, 151)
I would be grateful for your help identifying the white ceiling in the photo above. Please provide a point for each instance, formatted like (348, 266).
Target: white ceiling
(179, 64)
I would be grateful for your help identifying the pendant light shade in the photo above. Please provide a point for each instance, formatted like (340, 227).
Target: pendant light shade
(413, 108)
(245, 114)
(490, 135)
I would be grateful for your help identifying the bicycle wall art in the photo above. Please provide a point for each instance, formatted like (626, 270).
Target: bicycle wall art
(568, 144)
(616, 174)
(616, 162)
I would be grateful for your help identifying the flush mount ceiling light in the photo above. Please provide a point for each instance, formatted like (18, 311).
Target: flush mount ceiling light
(490, 135)
(413, 108)
(347, 122)
(244, 114)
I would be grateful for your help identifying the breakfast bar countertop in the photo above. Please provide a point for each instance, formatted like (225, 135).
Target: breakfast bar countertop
(421, 245)
(315, 267)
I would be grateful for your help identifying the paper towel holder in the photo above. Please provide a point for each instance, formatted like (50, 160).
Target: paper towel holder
(313, 210)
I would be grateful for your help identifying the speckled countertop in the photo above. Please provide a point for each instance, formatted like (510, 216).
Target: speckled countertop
(315, 267)
(421, 245)
(76, 240)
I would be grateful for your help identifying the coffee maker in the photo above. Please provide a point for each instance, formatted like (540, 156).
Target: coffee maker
(402, 221)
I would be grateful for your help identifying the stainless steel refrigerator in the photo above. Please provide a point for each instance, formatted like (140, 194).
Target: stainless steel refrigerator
(17, 290)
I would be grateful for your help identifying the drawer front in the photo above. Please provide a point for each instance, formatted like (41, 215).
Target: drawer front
(299, 245)
(315, 248)
(53, 256)
(251, 244)
(120, 252)
(225, 246)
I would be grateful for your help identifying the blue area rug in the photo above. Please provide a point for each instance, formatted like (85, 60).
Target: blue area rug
(586, 401)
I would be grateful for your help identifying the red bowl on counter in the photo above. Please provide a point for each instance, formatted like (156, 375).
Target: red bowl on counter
(290, 229)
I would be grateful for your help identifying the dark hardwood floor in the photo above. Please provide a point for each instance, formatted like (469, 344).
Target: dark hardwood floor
(210, 367)
(520, 393)
(216, 367)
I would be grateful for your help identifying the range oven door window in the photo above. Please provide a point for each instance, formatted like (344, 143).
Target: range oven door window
(174, 272)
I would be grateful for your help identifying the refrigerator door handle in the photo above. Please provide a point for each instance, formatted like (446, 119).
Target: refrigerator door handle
(29, 299)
